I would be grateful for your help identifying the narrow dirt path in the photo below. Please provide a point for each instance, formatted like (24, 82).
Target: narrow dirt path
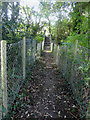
(46, 94)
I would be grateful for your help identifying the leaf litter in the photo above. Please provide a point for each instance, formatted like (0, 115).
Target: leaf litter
(45, 94)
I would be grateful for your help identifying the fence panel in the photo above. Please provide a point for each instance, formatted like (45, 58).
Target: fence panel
(38, 50)
(14, 70)
(28, 54)
(15, 65)
(72, 61)
(31, 46)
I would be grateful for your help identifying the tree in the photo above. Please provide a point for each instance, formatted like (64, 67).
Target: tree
(46, 10)
(79, 18)
(0, 21)
(62, 26)
(9, 22)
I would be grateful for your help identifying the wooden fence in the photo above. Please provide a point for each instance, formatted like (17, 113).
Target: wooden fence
(72, 59)
(14, 55)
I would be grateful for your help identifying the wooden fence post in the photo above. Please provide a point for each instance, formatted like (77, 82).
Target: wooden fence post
(34, 49)
(75, 51)
(52, 47)
(36, 46)
(24, 57)
(73, 70)
(57, 56)
(0, 103)
(41, 49)
(43, 45)
(4, 77)
(66, 57)
(0, 61)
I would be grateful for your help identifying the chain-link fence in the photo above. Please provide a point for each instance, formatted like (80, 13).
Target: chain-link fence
(17, 60)
(72, 60)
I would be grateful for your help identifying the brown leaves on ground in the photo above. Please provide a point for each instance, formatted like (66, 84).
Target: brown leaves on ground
(45, 94)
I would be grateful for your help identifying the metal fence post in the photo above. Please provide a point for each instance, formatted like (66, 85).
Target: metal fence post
(4, 78)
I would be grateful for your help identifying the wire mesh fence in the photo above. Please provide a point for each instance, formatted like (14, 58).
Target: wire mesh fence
(30, 53)
(20, 58)
(14, 70)
(73, 62)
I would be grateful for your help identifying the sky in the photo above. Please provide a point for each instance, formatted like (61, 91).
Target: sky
(30, 3)
(35, 5)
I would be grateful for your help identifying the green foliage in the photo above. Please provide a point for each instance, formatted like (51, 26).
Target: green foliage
(67, 29)
(4, 109)
(61, 30)
(20, 22)
(79, 19)
(39, 38)
(82, 39)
